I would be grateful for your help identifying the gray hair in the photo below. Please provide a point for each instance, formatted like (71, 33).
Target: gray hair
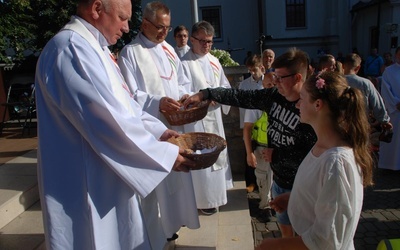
(203, 25)
(151, 9)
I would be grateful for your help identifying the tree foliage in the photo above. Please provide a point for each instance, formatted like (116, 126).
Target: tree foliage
(27, 25)
(16, 25)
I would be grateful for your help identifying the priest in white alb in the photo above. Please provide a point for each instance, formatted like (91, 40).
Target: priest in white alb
(205, 71)
(154, 73)
(97, 150)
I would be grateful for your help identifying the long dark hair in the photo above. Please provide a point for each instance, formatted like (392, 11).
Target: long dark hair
(348, 113)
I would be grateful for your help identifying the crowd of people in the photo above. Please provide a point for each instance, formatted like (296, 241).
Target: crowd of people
(109, 179)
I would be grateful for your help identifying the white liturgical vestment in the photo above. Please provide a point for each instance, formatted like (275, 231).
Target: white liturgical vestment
(153, 71)
(389, 158)
(98, 151)
(210, 184)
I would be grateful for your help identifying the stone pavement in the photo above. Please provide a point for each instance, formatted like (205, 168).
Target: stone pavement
(380, 217)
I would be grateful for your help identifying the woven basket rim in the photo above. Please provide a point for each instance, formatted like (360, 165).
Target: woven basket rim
(204, 160)
(199, 106)
(185, 116)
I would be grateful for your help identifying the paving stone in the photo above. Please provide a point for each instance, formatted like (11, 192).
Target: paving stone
(261, 227)
(366, 214)
(370, 234)
(268, 234)
(392, 225)
(370, 226)
(378, 210)
(393, 234)
(371, 241)
(380, 216)
(369, 247)
(389, 215)
(358, 235)
(277, 234)
(359, 242)
(272, 226)
(361, 228)
(382, 226)
(382, 233)
(259, 236)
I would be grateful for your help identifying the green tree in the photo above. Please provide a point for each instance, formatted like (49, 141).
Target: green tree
(16, 25)
(27, 25)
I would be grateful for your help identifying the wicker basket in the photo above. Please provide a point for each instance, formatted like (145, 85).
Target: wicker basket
(185, 116)
(199, 141)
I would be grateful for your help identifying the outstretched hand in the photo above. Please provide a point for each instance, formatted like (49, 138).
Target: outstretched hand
(183, 98)
(193, 100)
(169, 104)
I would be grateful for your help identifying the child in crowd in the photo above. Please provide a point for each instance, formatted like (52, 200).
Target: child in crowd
(256, 69)
(255, 139)
(325, 203)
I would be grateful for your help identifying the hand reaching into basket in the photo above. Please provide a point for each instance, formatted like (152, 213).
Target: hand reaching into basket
(169, 104)
(193, 100)
(183, 98)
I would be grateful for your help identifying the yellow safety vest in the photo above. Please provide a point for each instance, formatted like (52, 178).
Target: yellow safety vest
(259, 131)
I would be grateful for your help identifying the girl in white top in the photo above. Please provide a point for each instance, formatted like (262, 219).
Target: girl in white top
(326, 200)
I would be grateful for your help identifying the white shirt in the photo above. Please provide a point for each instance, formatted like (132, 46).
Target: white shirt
(181, 51)
(247, 84)
(252, 115)
(326, 200)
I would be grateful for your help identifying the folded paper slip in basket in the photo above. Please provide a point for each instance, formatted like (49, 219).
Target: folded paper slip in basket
(197, 148)
(185, 116)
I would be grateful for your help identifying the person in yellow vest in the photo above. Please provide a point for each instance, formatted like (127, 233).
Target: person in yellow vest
(256, 70)
(255, 140)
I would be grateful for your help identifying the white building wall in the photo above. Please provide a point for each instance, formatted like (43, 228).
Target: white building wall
(239, 23)
(366, 18)
(323, 31)
(330, 25)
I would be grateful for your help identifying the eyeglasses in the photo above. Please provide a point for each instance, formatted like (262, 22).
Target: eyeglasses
(181, 36)
(202, 42)
(279, 78)
(160, 27)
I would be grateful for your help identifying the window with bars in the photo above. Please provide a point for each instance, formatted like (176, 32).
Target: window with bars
(213, 16)
(295, 13)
